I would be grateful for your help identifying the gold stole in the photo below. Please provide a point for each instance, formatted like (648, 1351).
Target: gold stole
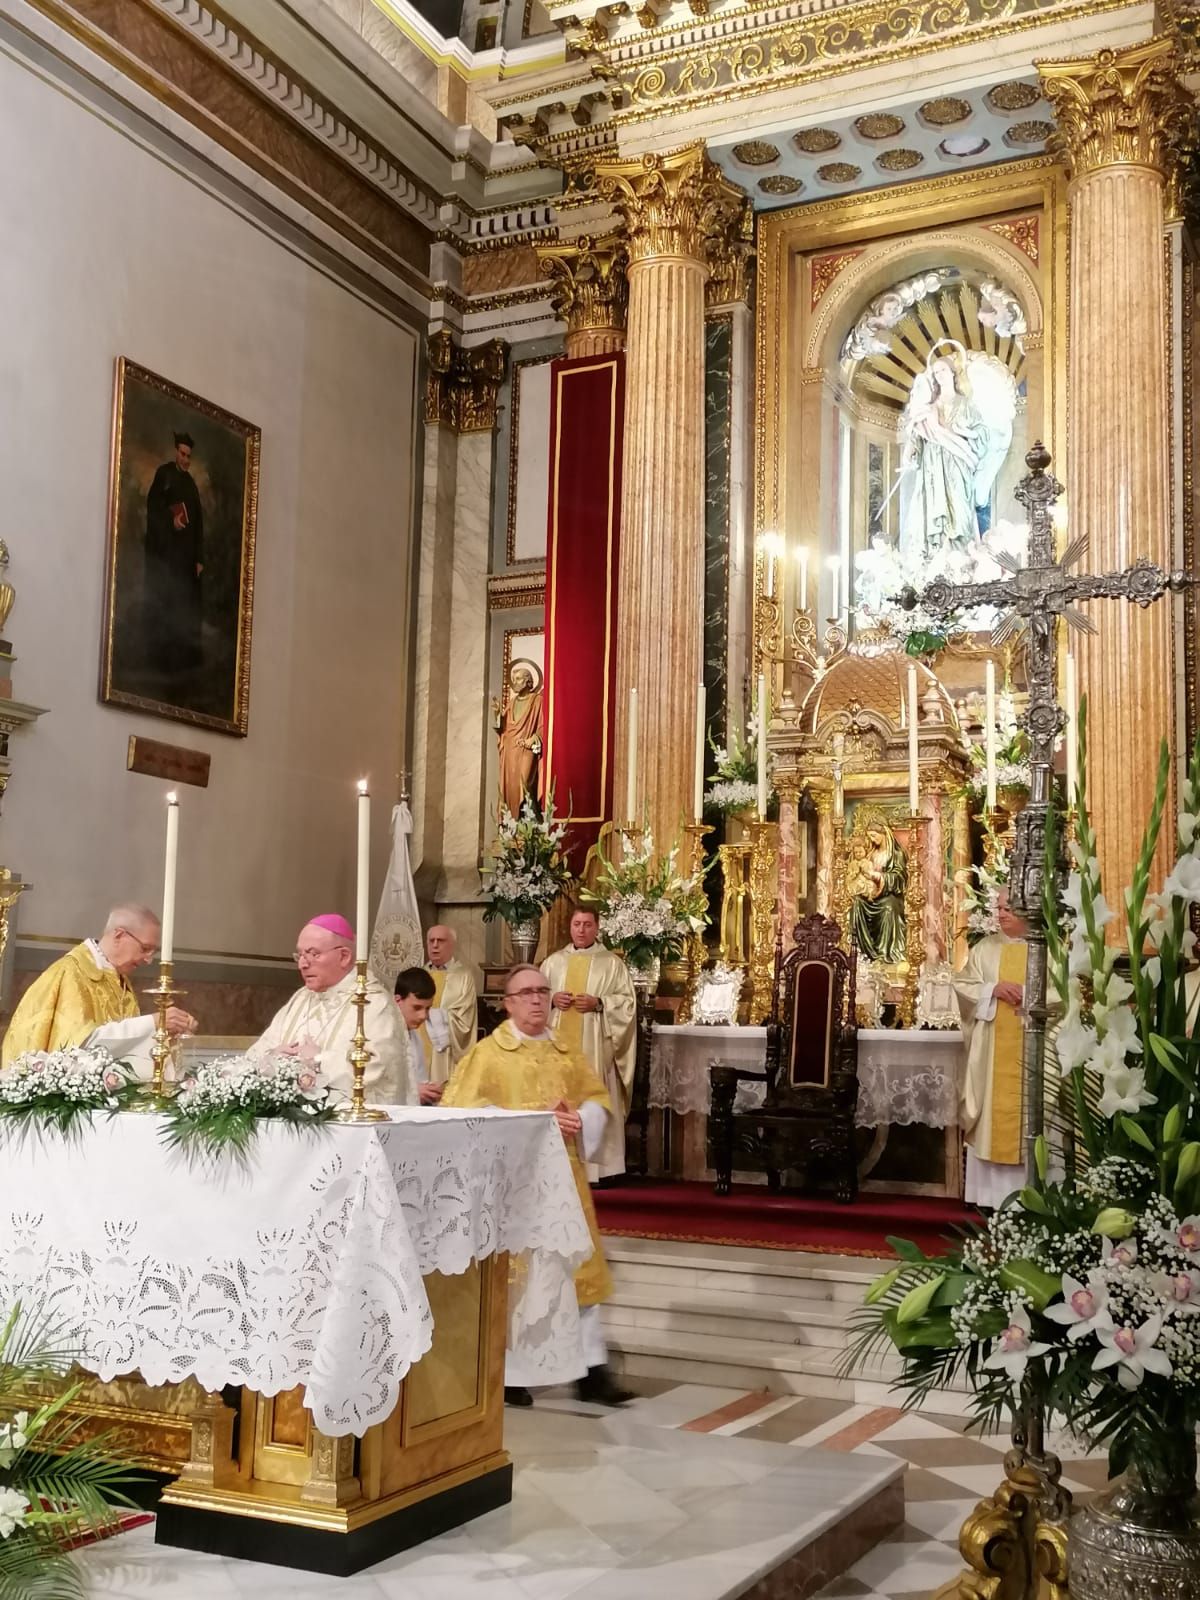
(439, 986)
(570, 1023)
(1007, 1077)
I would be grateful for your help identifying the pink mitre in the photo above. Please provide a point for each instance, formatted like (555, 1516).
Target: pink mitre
(334, 923)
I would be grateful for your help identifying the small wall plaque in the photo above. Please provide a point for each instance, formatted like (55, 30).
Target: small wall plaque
(169, 761)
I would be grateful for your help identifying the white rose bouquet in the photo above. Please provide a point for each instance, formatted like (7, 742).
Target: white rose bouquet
(57, 1088)
(220, 1104)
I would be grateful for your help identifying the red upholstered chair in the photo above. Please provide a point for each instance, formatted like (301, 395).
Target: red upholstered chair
(806, 1121)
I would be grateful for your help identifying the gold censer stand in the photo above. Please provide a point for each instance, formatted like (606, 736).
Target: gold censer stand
(358, 1110)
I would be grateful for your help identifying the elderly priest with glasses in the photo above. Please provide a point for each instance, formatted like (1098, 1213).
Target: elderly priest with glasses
(523, 1066)
(85, 997)
(318, 1022)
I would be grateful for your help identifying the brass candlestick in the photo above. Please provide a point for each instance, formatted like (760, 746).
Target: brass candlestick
(695, 951)
(763, 854)
(164, 993)
(358, 1110)
(914, 920)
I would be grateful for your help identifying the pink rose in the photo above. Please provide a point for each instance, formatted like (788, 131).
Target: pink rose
(306, 1081)
(113, 1080)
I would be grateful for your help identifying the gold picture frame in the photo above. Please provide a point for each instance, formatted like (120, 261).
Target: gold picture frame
(179, 577)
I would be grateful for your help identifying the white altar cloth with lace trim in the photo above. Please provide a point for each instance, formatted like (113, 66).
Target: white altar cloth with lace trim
(302, 1264)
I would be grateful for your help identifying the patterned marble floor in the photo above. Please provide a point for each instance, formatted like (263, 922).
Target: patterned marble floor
(565, 1539)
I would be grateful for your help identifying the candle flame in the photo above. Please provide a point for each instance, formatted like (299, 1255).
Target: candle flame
(172, 798)
(362, 786)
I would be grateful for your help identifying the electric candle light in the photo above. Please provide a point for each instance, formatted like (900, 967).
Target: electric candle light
(990, 734)
(914, 792)
(364, 870)
(698, 796)
(631, 754)
(762, 747)
(167, 941)
(1072, 731)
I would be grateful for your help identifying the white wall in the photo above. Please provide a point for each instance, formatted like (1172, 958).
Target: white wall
(109, 250)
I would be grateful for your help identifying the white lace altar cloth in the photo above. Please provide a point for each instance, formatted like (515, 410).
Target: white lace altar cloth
(904, 1077)
(302, 1264)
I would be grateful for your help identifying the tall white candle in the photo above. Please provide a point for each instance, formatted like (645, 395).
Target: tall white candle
(914, 749)
(839, 793)
(167, 940)
(1072, 731)
(762, 746)
(770, 545)
(802, 557)
(990, 733)
(835, 578)
(631, 759)
(362, 910)
(698, 794)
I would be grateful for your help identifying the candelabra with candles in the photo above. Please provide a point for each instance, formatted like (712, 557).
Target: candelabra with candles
(695, 954)
(358, 1110)
(914, 920)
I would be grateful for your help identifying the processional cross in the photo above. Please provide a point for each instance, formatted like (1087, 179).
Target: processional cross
(1035, 596)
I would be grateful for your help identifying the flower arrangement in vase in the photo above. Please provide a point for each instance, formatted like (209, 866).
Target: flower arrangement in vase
(733, 789)
(648, 907)
(529, 871)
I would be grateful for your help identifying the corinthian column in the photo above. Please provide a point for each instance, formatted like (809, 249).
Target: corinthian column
(1122, 115)
(671, 205)
(590, 292)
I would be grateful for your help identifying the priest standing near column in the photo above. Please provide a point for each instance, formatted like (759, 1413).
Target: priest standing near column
(594, 1009)
(991, 993)
(453, 1021)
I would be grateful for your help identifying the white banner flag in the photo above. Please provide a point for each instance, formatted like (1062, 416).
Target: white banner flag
(396, 942)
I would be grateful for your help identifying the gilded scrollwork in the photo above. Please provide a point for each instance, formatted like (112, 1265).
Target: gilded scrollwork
(1121, 107)
(590, 291)
(462, 387)
(672, 205)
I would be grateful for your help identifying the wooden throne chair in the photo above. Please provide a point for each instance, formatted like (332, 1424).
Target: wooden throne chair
(805, 1123)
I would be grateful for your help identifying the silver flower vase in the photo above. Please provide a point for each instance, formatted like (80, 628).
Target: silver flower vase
(524, 936)
(1140, 1537)
(645, 979)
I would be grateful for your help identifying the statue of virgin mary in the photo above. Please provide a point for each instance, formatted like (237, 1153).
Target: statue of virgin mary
(952, 445)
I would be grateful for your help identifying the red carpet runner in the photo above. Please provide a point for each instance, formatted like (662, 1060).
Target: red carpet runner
(778, 1222)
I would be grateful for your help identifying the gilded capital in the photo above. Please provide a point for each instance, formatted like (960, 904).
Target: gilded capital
(731, 260)
(1120, 108)
(590, 292)
(671, 204)
(462, 387)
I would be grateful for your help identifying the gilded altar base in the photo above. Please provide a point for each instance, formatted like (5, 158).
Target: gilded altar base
(258, 1482)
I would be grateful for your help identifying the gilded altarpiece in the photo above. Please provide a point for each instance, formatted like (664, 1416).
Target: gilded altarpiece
(861, 301)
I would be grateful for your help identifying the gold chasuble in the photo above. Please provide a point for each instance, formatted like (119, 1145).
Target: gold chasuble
(66, 1004)
(522, 1074)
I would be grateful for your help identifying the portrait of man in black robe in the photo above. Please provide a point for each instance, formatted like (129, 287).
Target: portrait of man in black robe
(174, 561)
(180, 581)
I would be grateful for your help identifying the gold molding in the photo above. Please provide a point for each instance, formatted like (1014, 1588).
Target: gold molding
(1120, 108)
(671, 204)
(517, 591)
(731, 261)
(589, 289)
(462, 387)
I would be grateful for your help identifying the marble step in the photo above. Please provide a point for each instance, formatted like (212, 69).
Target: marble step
(773, 1318)
(775, 1274)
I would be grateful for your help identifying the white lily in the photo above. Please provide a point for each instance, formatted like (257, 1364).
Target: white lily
(13, 1510)
(1132, 1351)
(1082, 1306)
(1187, 828)
(1184, 880)
(1074, 1043)
(1116, 991)
(1124, 1091)
(1180, 1290)
(1073, 893)
(1120, 1025)
(1013, 1350)
(1118, 1253)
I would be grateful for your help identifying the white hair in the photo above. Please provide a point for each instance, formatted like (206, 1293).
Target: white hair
(129, 915)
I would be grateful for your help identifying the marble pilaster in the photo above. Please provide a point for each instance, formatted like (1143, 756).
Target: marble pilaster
(1122, 118)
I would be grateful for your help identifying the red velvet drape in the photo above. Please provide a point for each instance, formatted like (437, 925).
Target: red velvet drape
(587, 405)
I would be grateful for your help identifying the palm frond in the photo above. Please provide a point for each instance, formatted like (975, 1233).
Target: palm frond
(29, 1572)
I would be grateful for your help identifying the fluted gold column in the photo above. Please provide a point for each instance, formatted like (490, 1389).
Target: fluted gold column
(590, 292)
(1122, 116)
(670, 205)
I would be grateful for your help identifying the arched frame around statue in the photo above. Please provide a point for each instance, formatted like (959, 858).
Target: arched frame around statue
(819, 265)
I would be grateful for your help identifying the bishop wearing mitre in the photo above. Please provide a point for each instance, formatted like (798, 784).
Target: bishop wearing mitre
(318, 1023)
(991, 993)
(85, 997)
(449, 1030)
(594, 1009)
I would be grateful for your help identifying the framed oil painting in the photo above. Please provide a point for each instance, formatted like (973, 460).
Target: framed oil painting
(180, 576)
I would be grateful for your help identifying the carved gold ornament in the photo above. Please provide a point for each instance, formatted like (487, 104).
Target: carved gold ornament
(462, 387)
(816, 141)
(671, 204)
(1120, 107)
(780, 183)
(1024, 134)
(878, 125)
(945, 111)
(730, 256)
(838, 172)
(756, 153)
(589, 291)
(1019, 231)
(899, 160)
(1013, 96)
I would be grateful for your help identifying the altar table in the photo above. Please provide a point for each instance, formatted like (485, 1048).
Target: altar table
(905, 1077)
(351, 1282)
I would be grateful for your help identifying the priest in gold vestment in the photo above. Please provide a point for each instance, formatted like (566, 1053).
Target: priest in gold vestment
(991, 992)
(522, 1066)
(595, 1011)
(85, 997)
(449, 1030)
